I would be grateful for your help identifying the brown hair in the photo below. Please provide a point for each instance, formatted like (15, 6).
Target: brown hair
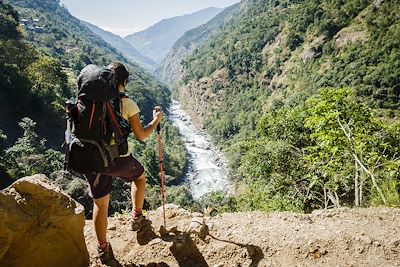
(121, 73)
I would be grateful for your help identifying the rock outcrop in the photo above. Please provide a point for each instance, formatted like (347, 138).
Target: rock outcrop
(40, 226)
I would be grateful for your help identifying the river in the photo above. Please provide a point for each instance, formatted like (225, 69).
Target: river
(207, 167)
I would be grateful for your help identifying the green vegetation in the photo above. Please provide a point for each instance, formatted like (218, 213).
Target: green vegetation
(292, 145)
(32, 84)
(174, 163)
(29, 155)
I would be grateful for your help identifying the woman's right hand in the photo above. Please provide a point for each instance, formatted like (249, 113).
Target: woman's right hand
(158, 114)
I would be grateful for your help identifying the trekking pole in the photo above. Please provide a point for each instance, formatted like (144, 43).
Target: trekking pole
(161, 167)
(67, 136)
(66, 146)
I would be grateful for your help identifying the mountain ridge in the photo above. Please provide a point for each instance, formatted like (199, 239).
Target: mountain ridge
(123, 46)
(155, 41)
(51, 29)
(169, 69)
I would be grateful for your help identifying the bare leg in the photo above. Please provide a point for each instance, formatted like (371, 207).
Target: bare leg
(137, 193)
(100, 214)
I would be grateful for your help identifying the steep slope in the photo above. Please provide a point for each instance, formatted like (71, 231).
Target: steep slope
(302, 95)
(279, 46)
(157, 40)
(324, 238)
(52, 30)
(32, 84)
(170, 68)
(123, 46)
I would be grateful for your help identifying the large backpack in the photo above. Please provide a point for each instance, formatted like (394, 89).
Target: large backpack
(96, 132)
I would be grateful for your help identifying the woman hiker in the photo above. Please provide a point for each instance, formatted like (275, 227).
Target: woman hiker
(126, 167)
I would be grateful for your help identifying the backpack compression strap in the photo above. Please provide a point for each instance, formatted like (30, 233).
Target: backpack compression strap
(91, 115)
(115, 124)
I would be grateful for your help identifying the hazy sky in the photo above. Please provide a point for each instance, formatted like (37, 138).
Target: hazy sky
(124, 17)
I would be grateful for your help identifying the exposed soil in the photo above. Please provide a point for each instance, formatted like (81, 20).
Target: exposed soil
(341, 237)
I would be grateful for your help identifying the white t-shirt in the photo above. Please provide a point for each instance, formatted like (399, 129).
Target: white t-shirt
(128, 108)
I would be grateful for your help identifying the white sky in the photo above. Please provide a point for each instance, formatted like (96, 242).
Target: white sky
(124, 17)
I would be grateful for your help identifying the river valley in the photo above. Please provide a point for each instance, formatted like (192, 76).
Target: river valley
(207, 167)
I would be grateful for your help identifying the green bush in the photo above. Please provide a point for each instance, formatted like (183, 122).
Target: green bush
(263, 196)
(218, 202)
(29, 156)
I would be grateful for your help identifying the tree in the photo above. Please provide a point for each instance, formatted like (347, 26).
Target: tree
(272, 172)
(49, 81)
(8, 21)
(347, 146)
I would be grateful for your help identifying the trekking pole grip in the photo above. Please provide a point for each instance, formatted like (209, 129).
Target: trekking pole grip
(158, 125)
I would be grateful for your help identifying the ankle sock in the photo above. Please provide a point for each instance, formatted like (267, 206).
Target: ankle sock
(136, 212)
(103, 245)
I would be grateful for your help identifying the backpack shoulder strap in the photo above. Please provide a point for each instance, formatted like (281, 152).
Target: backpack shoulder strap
(119, 101)
(122, 95)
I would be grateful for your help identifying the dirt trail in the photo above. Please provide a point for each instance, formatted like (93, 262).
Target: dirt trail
(343, 237)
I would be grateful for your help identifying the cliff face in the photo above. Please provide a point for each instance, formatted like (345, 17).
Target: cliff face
(40, 226)
(200, 99)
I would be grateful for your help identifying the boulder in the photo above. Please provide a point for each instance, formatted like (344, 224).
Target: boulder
(40, 225)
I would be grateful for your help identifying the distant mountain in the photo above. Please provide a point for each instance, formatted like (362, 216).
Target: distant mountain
(170, 68)
(121, 45)
(157, 40)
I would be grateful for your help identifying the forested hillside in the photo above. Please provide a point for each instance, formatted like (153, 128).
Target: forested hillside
(30, 82)
(22, 68)
(170, 68)
(42, 49)
(303, 97)
(50, 29)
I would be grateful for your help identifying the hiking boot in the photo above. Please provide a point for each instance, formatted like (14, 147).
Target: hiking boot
(106, 256)
(139, 221)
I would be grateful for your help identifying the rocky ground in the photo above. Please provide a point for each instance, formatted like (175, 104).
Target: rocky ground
(343, 237)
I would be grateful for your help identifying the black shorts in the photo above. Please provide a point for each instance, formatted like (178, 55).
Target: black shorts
(127, 168)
